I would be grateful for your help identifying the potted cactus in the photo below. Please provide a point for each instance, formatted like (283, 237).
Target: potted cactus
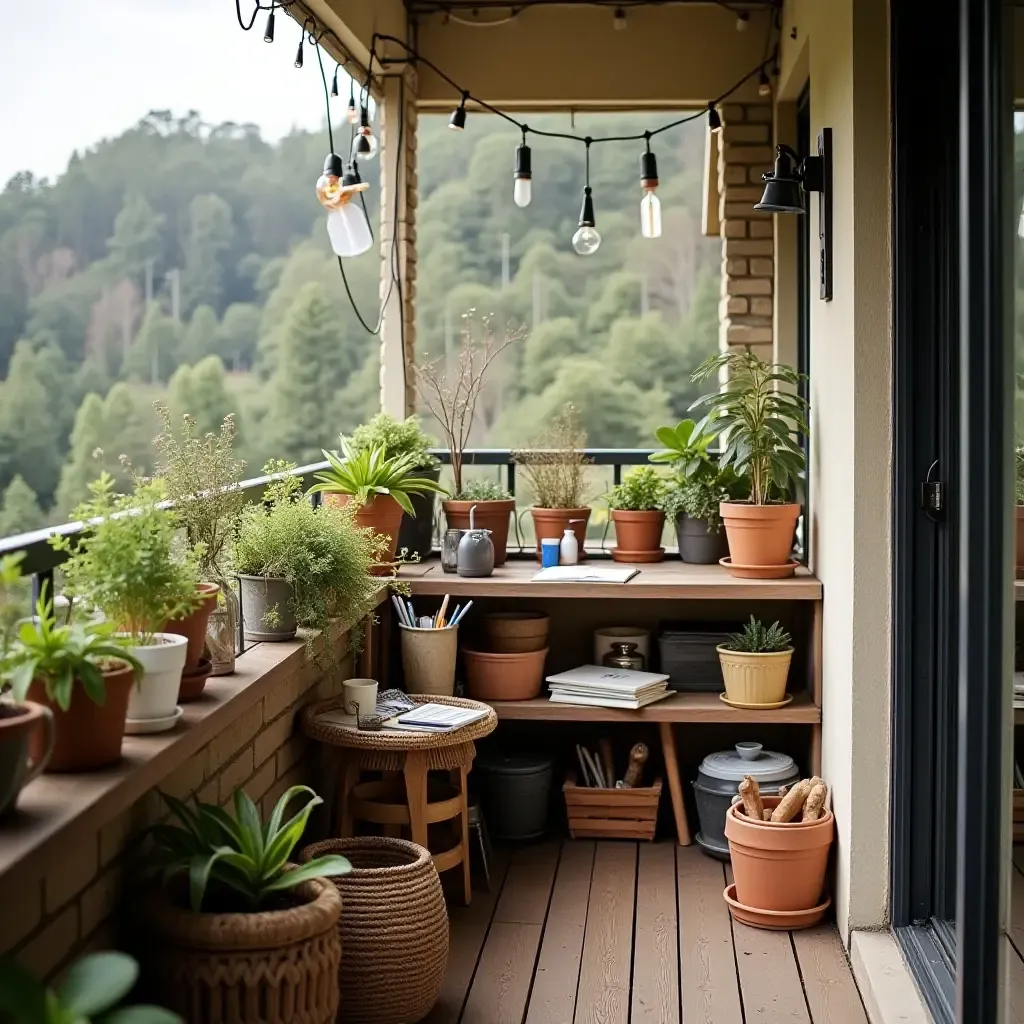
(755, 665)
(636, 509)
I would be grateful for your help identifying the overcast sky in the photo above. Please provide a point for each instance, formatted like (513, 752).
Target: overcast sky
(75, 71)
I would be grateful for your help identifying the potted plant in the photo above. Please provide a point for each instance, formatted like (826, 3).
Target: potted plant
(201, 475)
(556, 470)
(299, 564)
(755, 665)
(89, 990)
(83, 675)
(451, 397)
(693, 506)
(379, 486)
(760, 424)
(406, 437)
(235, 923)
(636, 510)
(1018, 488)
(131, 568)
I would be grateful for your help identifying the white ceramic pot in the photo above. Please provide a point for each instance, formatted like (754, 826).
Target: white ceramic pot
(156, 695)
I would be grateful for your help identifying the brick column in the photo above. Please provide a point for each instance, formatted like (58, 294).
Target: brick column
(398, 171)
(748, 248)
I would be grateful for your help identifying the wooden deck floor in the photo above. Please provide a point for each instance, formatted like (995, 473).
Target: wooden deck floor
(626, 933)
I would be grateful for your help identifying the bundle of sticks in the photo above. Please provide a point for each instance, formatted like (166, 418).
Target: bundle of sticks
(806, 800)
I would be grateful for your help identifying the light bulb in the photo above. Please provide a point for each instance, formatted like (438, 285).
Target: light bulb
(268, 35)
(364, 146)
(764, 86)
(353, 114)
(522, 191)
(650, 215)
(348, 230)
(619, 20)
(298, 55)
(742, 17)
(586, 240)
(334, 83)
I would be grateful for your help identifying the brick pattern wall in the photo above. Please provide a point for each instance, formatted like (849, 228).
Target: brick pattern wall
(53, 912)
(746, 309)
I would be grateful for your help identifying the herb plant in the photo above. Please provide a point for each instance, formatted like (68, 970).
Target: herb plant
(483, 490)
(237, 862)
(88, 993)
(699, 499)
(556, 469)
(758, 420)
(396, 437)
(129, 566)
(641, 490)
(754, 638)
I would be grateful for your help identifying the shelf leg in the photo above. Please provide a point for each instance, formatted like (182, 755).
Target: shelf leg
(675, 785)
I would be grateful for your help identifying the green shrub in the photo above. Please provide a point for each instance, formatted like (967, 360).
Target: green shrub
(396, 437)
(483, 490)
(641, 490)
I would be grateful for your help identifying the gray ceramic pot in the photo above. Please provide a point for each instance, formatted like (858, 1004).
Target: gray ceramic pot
(18, 724)
(697, 544)
(264, 596)
(417, 535)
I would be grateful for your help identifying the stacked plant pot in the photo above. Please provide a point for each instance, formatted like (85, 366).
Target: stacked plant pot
(513, 666)
(198, 665)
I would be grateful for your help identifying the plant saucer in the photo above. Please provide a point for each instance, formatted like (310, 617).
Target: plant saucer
(759, 572)
(144, 726)
(774, 920)
(193, 682)
(640, 557)
(757, 707)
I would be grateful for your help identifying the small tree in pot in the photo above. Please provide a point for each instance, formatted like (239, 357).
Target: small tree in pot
(636, 510)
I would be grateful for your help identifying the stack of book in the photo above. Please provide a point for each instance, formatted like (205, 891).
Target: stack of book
(608, 687)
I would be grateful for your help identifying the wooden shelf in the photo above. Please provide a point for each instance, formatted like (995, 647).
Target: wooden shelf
(1018, 590)
(681, 707)
(661, 581)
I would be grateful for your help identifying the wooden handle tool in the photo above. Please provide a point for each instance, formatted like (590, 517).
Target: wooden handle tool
(637, 758)
(607, 761)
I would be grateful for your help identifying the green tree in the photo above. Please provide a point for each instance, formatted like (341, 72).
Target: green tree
(238, 335)
(19, 509)
(155, 351)
(200, 392)
(200, 335)
(136, 238)
(211, 233)
(546, 347)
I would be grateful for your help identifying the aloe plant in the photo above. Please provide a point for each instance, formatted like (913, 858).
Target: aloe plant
(756, 638)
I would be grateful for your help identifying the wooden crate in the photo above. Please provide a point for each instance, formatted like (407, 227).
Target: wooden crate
(611, 813)
(1018, 815)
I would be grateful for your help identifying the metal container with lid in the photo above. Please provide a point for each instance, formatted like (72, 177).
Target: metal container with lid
(718, 780)
(515, 790)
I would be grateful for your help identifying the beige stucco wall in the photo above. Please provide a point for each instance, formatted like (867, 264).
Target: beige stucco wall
(843, 47)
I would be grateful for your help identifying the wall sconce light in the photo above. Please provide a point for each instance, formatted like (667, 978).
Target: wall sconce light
(785, 188)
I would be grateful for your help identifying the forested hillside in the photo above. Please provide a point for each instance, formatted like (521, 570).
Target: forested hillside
(189, 263)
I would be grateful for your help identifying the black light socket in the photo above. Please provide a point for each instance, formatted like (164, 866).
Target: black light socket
(523, 169)
(364, 118)
(334, 83)
(351, 175)
(268, 35)
(298, 55)
(714, 118)
(362, 146)
(333, 165)
(587, 210)
(457, 122)
(648, 170)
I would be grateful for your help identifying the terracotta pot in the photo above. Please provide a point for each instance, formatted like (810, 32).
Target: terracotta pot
(87, 735)
(504, 676)
(638, 534)
(778, 867)
(759, 535)
(193, 626)
(193, 681)
(755, 678)
(19, 724)
(553, 522)
(1020, 542)
(516, 632)
(383, 515)
(489, 515)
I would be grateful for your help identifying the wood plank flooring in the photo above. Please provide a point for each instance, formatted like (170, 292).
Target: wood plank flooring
(613, 932)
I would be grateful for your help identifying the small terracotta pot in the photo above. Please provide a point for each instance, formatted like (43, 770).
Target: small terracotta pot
(638, 534)
(755, 678)
(193, 681)
(759, 535)
(778, 867)
(489, 515)
(87, 735)
(383, 515)
(504, 676)
(26, 740)
(1020, 542)
(553, 522)
(193, 626)
(517, 632)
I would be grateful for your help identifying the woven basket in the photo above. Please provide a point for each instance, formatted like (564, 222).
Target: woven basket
(394, 930)
(272, 967)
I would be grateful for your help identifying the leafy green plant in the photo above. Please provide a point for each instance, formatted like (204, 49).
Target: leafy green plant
(237, 861)
(366, 474)
(699, 499)
(685, 447)
(62, 655)
(88, 993)
(11, 582)
(759, 421)
(1018, 483)
(483, 490)
(396, 437)
(641, 490)
(755, 638)
(556, 469)
(130, 565)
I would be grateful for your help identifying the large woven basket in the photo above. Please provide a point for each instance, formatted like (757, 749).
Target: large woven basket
(272, 967)
(394, 930)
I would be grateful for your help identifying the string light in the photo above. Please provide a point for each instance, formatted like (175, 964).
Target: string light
(764, 85)
(347, 226)
(742, 20)
(364, 146)
(353, 113)
(650, 205)
(334, 84)
(587, 240)
(522, 186)
(457, 122)
(619, 20)
(268, 34)
(298, 52)
(714, 118)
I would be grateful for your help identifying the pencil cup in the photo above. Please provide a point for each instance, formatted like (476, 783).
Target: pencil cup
(428, 658)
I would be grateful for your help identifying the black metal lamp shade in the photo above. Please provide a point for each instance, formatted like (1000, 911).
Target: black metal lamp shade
(783, 186)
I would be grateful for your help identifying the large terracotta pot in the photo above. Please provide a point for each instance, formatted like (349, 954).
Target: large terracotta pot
(516, 632)
(759, 535)
(553, 522)
(638, 535)
(275, 966)
(779, 867)
(1020, 542)
(504, 676)
(383, 515)
(18, 766)
(753, 678)
(489, 515)
(87, 735)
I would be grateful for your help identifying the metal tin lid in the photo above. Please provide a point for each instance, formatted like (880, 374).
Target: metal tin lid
(767, 766)
(514, 764)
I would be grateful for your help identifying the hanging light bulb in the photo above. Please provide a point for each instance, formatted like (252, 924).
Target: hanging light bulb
(650, 205)
(714, 119)
(764, 86)
(586, 240)
(347, 226)
(334, 84)
(364, 146)
(522, 187)
(457, 122)
(268, 35)
(619, 20)
(298, 52)
(353, 113)
(742, 19)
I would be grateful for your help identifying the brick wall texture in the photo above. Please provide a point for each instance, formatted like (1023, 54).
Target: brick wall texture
(748, 248)
(72, 903)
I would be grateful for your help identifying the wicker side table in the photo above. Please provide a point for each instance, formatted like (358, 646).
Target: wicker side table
(411, 756)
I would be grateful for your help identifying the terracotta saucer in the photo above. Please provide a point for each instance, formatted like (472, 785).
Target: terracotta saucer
(756, 707)
(638, 556)
(774, 920)
(759, 572)
(192, 683)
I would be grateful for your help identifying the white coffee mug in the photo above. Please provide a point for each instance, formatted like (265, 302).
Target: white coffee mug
(360, 696)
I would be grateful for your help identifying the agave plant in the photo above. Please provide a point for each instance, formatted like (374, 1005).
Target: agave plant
(756, 638)
(368, 472)
(238, 854)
